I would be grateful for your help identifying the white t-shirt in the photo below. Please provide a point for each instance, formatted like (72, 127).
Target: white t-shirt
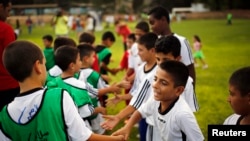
(174, 124)
(190, 96)
(186, 52)
(134, 60)
(55, 71)
(85, 73)
(233, 119)
(76, 128)
(86, 110)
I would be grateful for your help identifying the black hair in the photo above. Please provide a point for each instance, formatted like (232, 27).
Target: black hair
(148, 40)
(65, 55)
(48, 38)
(19, 58)
(85, 50)
(132, 37)
(61, 41)
(108, 35)
(158, 12)
(142, 25)
(178, 71)
(168, 44)
(5, 3)
(86, 37)
(240, 79)
(197, 38)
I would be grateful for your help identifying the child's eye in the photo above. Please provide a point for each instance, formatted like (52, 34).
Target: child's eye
(164, 83)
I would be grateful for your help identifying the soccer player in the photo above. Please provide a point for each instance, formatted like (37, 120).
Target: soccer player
(239, 94)
(171, 114)
(39, 113)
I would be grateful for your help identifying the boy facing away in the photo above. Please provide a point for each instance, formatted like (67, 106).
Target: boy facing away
(23, 119)
(90, 76)
(171, 114)
(239, 97)
(68, 59)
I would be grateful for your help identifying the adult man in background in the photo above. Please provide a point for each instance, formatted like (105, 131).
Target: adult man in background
(9, 87)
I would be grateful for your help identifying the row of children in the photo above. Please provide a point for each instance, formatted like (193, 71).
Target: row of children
(66, 96)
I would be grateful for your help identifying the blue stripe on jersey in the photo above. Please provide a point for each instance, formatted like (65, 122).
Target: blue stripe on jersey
(196, 105)
(91, 109)
(189, 50)
(141, 96)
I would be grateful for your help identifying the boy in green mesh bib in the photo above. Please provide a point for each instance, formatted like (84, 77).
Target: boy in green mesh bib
(38, 113)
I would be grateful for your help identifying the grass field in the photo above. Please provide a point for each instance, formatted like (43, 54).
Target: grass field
(226, 49)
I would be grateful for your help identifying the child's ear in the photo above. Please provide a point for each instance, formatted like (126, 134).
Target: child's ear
(38, 67)
(178, 58)
(179, 90)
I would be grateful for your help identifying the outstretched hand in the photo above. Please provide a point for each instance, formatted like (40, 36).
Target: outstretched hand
(110, 122)
(124, 84)
(122, 131)
(114, 100)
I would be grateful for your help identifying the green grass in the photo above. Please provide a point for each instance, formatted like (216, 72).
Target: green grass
(226, 49)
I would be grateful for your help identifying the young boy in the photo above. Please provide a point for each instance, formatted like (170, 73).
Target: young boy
(48, 51)
(168, 48)
(55, 70)
(68, 59)
(239, 93)
(88, 75)
(141, 88)
(23, 118)
(88, 38)
(172, 116)
(104, 55)
(160, 25)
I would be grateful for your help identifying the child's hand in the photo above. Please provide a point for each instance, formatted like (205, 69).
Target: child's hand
(114, 71)
(101, 110)
(114, 100)
(124, 84)
(119, 138)
(110, 122)
(115, 88)
(122, 131)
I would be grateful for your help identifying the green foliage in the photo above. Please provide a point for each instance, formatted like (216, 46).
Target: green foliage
(226, 48)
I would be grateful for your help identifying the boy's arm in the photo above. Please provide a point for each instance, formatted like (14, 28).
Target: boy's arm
(76, 128)
(86, 110)
(98, 137)
(125, 131)
(112, 121)
(105, 67)
(118, 98)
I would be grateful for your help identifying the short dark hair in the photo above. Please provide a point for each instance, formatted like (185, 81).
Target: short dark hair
(85, 50)
(142, 25)
(19, 58)
(240, 79)
(158, 12)
(108, 35)
(48, 38)
(132, 37)
(5, 3)
(197, 38)
(148, 40)
(86, 37)
(177, 70)
(65, 55)
(168, 44)
(61, 41)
